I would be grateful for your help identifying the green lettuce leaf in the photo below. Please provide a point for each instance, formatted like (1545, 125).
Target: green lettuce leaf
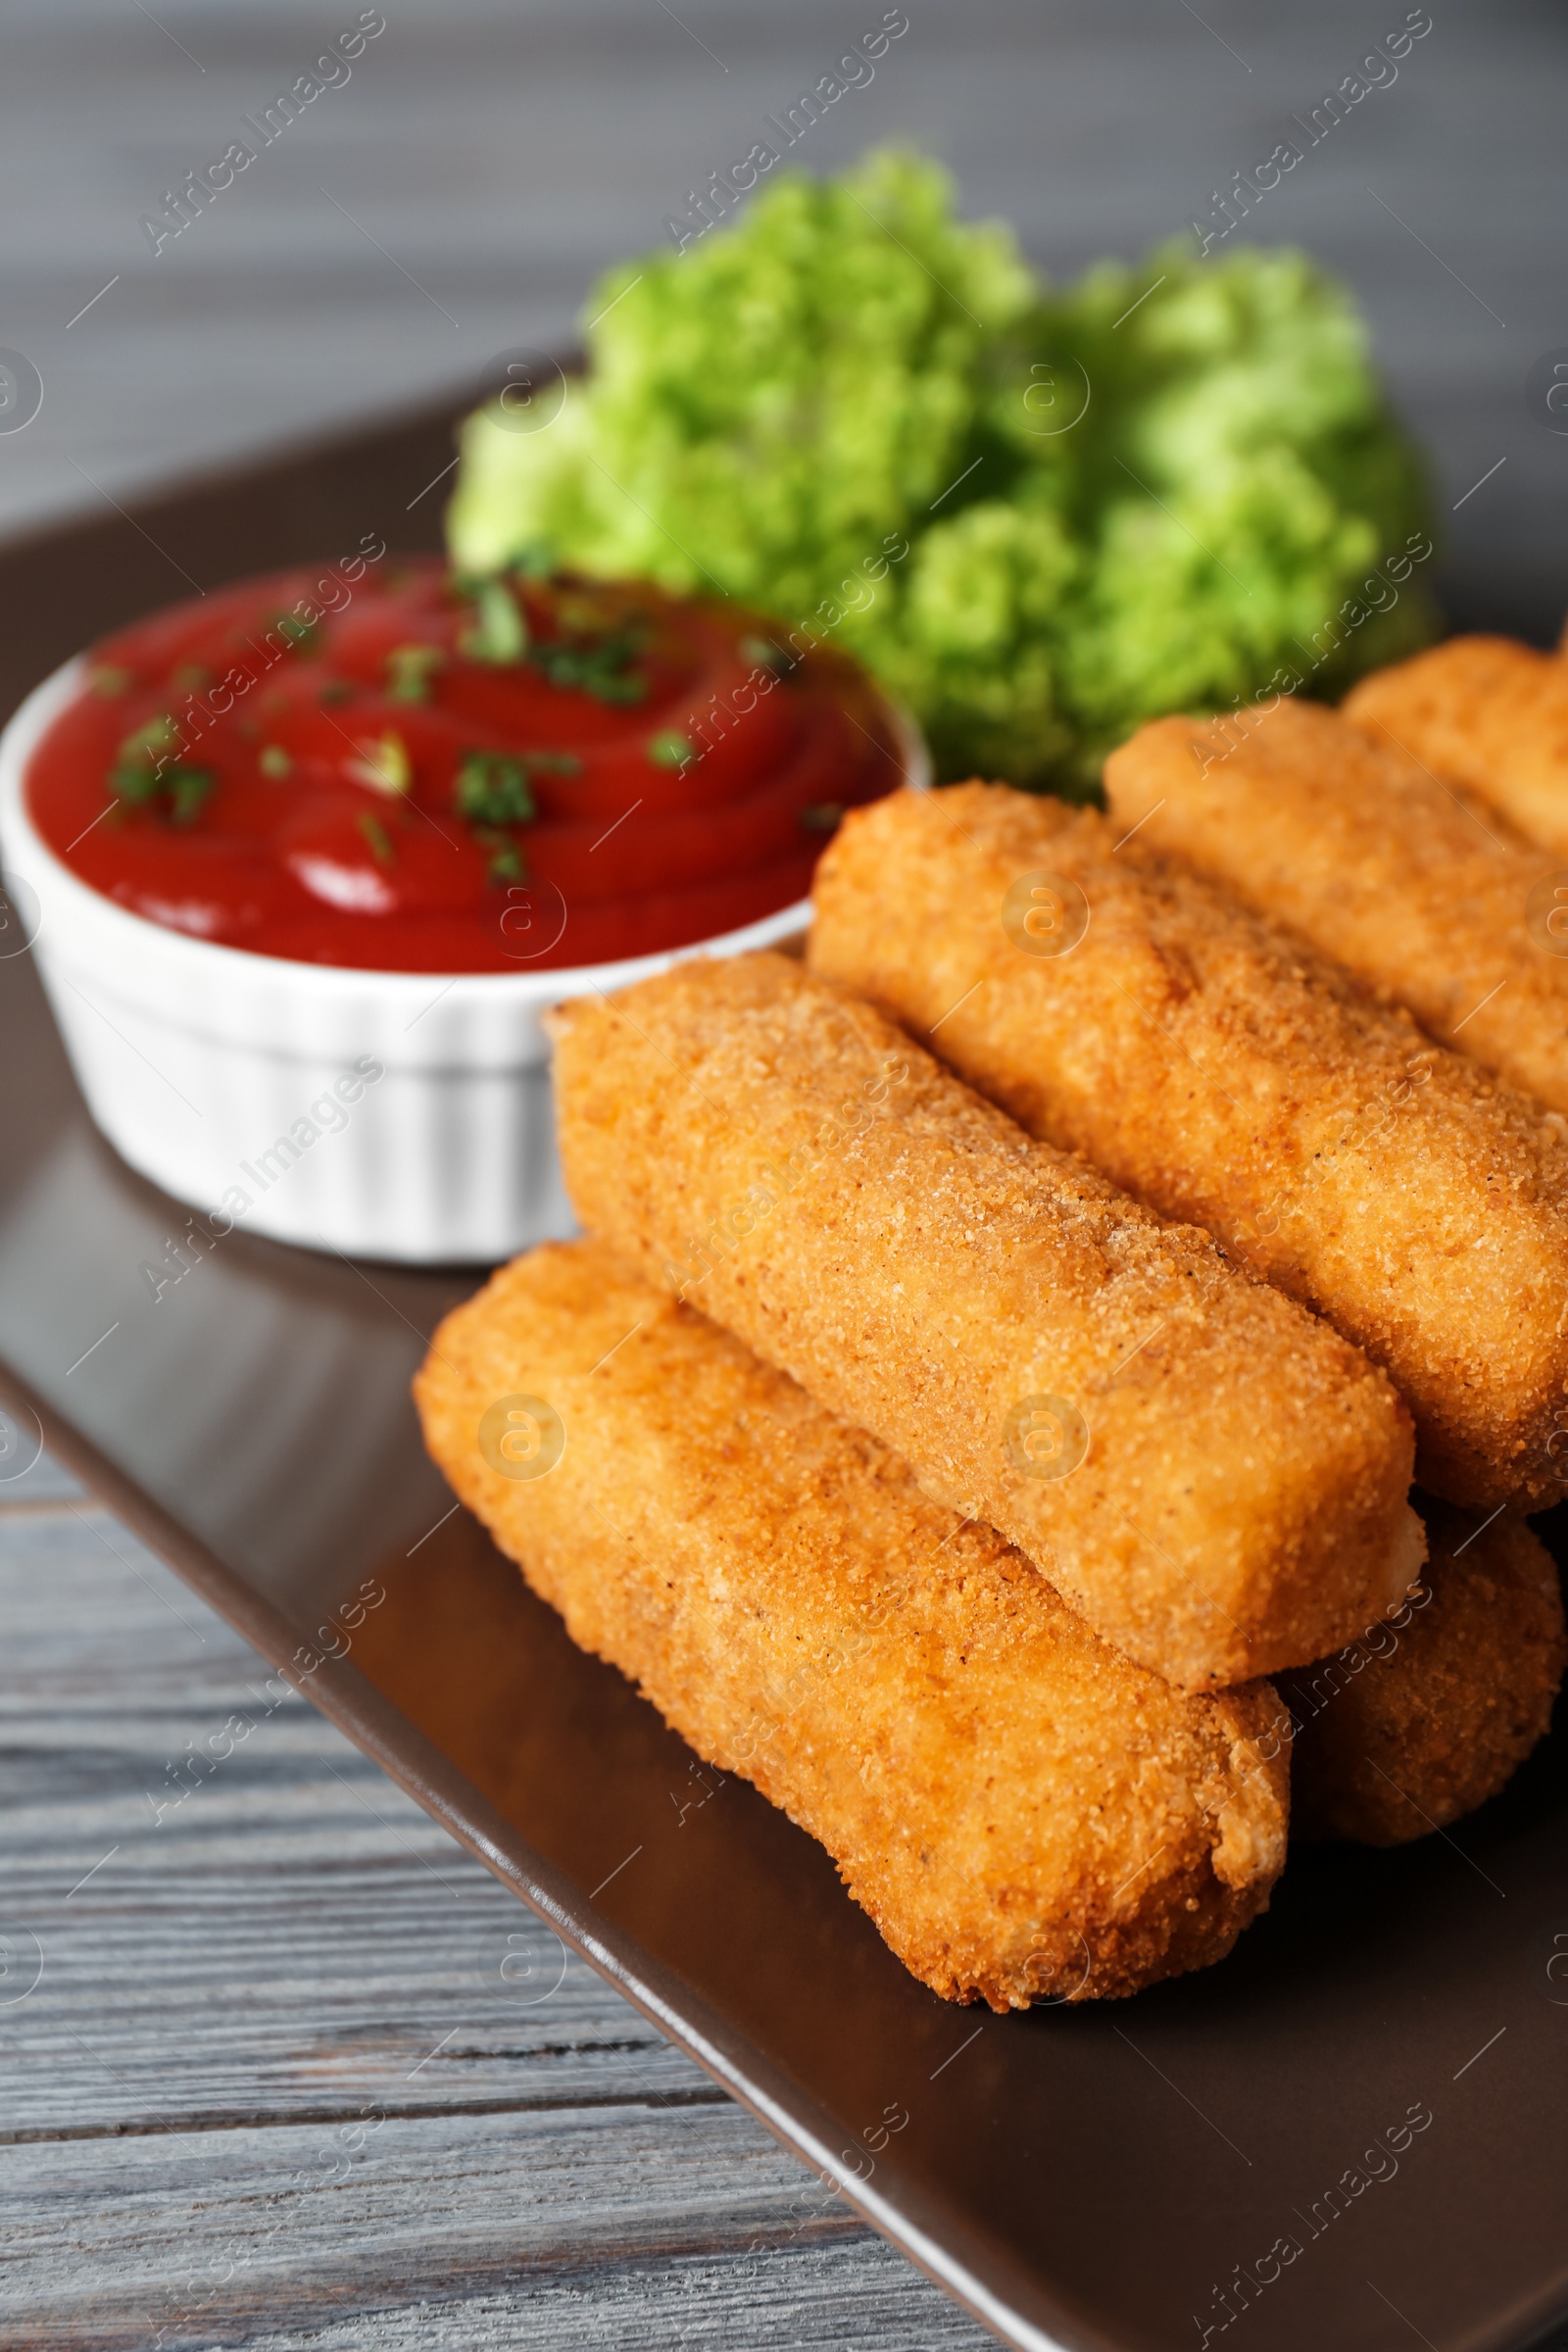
(1039, 516)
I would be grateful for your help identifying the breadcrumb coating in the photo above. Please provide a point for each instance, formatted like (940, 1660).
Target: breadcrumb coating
(1215, 1478)
(1433, 1711)
(1229, 1075)
(1022, 1812)
(1425, 898)
(1486, 714)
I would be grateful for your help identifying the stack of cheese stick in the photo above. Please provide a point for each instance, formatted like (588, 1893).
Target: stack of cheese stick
(1007, 1340)
(1488, 715)
(1221, 1069)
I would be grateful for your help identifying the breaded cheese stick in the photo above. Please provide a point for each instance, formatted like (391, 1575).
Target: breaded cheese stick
(1229, 1076)
(1486, 714)
(1021, 1810)
(1211, 1475)
(1433, 1711)
(1345, 838)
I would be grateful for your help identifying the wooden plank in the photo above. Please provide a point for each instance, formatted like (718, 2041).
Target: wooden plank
(131, 1866)
(295, 2069)
(104, 2235)
(811, 2298)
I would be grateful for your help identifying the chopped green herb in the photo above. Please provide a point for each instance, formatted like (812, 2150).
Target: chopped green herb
(383, 765)
(135, 781)
(669, 750)
(409, 669)
(499, 634)
(150, 742)
(193, 675)
(274, 761)
(536, 561)
(336, 690)
(107, 681)
(145, 771)
(600, 666)
(505, 858)
(187, 789)
(491, 788)
(375, 833)
(142, 757)
(822, 816)
(304, 636)
(762, 654)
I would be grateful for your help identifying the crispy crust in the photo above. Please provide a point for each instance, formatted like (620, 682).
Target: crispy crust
(1352, 844)
(1434, 1712)
(1022, 1812)
(829, 1193)
(1230, 1076)
(1488, 714)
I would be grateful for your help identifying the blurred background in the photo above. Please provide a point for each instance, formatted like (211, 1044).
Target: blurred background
(458, 193)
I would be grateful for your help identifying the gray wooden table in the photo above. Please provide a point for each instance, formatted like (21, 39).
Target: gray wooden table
(281, 2066)
(295, 2070)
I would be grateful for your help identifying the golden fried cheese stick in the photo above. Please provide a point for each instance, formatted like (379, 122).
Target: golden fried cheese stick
(1021, 1810)
(1486, 714)
(1214, 1478)
(1348, 840)
(1431, 1712)
(1228, 1076)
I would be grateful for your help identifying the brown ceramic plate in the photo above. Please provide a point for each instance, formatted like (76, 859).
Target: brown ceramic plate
(1214, 2156)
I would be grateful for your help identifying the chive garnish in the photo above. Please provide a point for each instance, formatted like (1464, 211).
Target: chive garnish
(304, 636)
(491, 788)
(145, 771)
(187, 789)
(274, 761)
(600, 666)
(409, 669)
(147, 750)
(383, 765)
(668, 749)
(494, 789)
(500, 635)
(506, 861)
(764, 653)
(375, 833)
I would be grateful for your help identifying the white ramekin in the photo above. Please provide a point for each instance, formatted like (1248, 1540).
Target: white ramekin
(233, 1080)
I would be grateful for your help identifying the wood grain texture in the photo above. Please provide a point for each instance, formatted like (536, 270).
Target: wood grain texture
(281, 2064)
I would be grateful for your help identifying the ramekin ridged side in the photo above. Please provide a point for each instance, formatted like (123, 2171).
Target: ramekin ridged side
(401, 1115)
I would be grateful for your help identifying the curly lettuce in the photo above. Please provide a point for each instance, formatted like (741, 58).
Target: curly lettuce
(1158, 489)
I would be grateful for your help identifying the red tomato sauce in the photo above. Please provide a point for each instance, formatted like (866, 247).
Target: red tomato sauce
(401, 770)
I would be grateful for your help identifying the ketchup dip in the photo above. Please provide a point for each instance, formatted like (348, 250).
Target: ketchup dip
(403, 770)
